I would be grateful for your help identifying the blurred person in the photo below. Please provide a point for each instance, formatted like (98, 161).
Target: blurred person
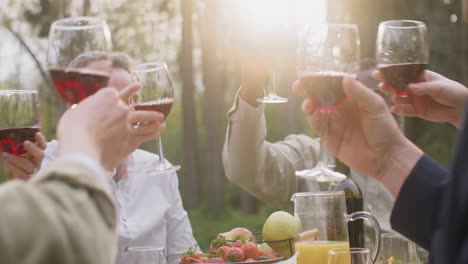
(150, 208)
(431, 203)
(65, 213)
(267, 169)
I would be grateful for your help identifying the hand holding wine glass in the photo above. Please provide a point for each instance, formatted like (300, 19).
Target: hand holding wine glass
(364, 135)
(69, 39)
(326, 55)
(157, 94)
(434, 97)
(19, 125)
(402, 53)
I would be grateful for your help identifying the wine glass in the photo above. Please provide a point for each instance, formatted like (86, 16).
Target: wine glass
(395, 248)
(157, 94)
(349, 256)
(71, 40)
(146, 255)
(326, 55)
(267, 21)
(402, 53)
(19, 120)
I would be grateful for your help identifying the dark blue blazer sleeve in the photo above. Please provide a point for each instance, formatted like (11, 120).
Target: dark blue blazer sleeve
(418, 204)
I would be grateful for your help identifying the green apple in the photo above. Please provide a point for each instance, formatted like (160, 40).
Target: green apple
(278, 226)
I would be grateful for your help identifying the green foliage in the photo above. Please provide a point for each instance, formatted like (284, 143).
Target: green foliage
(207, 225)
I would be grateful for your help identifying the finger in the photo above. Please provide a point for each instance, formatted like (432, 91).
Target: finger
(426, 88)
(19, 162)
(15, 172)
(404, 110)
(37, 153)
(147, 133)
(377, 75)
(398, 100)
(128, 91)
(41, 140)
(310, 105)
(365, 97)
(145, 117)
(298, 89)
(384, 87)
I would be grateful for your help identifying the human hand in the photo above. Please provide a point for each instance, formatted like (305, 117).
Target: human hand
(101, 127)
(435, 98)
(363, 134)
(23, 167)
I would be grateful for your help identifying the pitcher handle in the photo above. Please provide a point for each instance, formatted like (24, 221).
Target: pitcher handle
(375, 225)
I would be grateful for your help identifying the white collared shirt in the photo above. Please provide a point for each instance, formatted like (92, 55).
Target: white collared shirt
(149, 208)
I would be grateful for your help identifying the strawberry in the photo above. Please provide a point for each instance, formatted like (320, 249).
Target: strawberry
(238, 243)
(213, 250)
(271, 255)
(203, 259)
(187, 254)
(235, 255)
(250, 260)
(250, 250)
(222, 251)
(262, 255)
(193, 260)
(215, 260)
(218, 242)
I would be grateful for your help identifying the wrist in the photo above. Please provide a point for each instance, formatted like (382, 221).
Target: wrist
(398, 164)
(251, 94)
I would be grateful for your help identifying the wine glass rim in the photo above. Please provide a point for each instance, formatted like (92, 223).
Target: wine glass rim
(348, 250)
(416, 24)
(95, 22)
(150, 66)
(317, 193)
(143, 248)
(18, 91)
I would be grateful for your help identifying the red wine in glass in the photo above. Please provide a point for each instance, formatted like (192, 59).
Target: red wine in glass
(11, 139)
(163, 106)
(325, 86)
(74, 85)
(402, 74)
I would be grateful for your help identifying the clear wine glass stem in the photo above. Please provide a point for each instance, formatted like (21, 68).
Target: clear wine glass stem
(273, 83)
(323, 153)
(159, 150)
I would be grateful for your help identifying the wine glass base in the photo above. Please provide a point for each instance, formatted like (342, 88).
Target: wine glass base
(272, 99)
(321, 174)
(163, 168)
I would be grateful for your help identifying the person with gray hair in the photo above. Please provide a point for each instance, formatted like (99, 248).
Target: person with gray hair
(150, 210)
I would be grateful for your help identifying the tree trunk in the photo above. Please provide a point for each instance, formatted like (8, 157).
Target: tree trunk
(248, 203)
(189, 118)
(213, 70)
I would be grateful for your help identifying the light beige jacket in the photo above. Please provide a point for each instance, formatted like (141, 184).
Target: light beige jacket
(267, 170)
(63, 215)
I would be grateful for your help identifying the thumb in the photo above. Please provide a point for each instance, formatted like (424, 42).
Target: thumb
(367, 99)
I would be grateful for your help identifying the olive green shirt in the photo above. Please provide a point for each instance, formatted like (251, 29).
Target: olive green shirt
(63, 215)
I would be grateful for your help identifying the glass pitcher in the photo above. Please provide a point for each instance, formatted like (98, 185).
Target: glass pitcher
(324, 214)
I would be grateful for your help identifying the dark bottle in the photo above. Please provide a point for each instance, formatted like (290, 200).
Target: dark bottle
(354, 202)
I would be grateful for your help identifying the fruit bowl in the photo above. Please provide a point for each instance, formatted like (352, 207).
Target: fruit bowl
(267, 261)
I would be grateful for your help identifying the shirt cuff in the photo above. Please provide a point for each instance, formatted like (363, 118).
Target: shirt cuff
(415, 208)
(242, 110)
(100, 173)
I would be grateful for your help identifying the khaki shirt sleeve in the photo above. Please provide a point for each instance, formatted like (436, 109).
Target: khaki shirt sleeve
(63, 215)
(266, 170)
